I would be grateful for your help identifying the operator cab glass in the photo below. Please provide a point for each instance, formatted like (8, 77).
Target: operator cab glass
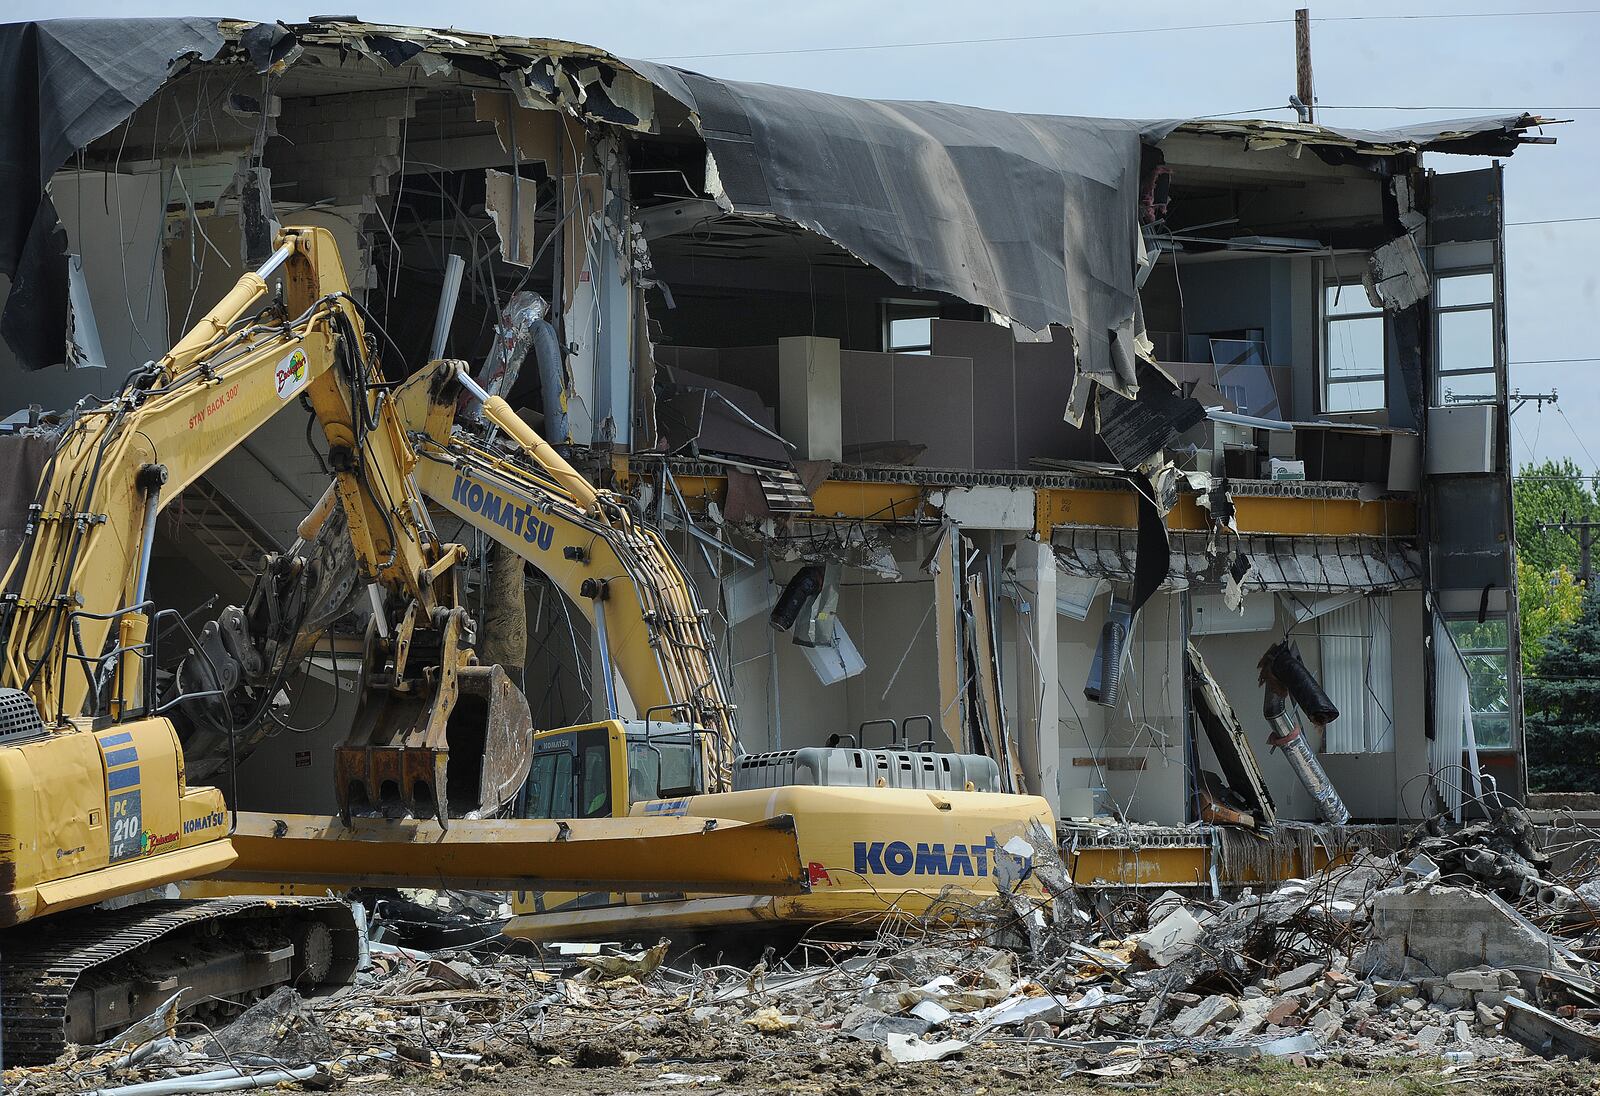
(570, 776)
(575, 772)
(662, 767)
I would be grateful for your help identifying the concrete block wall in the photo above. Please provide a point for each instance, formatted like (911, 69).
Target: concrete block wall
(342, 148)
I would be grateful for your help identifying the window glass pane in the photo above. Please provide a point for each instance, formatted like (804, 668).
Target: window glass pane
(1466, 340)
(1465, 289)
(1471, 636)
(1493, 731)
(644, 772)
(1355, 396)
(910, 331)
(1355, 348)
(595, 797)
(550, 785)
(1342, 300)
(1467, 387)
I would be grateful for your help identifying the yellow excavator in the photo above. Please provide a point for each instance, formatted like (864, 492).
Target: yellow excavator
(96, 813)
(884, 827)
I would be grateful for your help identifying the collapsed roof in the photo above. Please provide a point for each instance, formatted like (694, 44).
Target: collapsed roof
(1032, 216)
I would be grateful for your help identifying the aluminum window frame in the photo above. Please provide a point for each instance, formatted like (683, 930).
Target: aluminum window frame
(1492, 307)
(1326, 322)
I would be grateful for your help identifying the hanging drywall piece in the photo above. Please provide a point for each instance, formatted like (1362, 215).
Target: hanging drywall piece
(83, 334)
(838, 661)
(1075, 594)
(512, 201)
(1229, 742)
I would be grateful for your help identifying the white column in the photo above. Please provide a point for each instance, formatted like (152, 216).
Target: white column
(1039, 692)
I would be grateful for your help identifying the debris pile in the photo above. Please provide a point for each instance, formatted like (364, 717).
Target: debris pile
(1419, 954)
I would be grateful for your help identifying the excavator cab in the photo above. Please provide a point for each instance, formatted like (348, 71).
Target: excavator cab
(600, 770)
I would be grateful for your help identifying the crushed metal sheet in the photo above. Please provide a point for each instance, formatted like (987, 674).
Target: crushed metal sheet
(1281, 563)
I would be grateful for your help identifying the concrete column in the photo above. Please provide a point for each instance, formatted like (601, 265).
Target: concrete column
(808, 397)
(1038, 725)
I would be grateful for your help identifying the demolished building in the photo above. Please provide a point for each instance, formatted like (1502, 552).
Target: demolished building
(1047, 428)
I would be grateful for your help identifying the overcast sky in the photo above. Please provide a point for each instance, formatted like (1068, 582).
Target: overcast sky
(1455, 61)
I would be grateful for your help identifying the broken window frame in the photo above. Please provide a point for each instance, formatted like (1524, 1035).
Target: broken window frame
(1442, 394)
(1486, 663)
(1343, 284)
(895, 311)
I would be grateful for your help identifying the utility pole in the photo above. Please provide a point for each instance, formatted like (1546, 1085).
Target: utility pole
(1586, 534)
(1304, 98)
(1517, 398)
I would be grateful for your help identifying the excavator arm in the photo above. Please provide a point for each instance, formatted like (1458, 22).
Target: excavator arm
(76, 628)
(627, 582)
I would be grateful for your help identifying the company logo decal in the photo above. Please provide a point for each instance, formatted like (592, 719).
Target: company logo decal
(901, 858)
(204, 822)
(513, 517)
(292, 373)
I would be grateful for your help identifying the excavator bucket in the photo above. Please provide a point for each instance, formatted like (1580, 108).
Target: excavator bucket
(412, 757)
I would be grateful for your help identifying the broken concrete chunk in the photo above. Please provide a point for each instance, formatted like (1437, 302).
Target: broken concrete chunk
(1433, 930)
(1170, 939)
(1396, 277)
(1253, 1015)
(1481, 980)
(1281, 1011)
(1196, 1019)
(1324, 1024)
(1299, 976)
(1546, 1034)
(1431, 1036)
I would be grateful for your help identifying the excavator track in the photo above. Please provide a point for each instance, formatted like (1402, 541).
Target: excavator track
(84, 976)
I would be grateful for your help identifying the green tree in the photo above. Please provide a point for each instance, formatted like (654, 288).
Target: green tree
(1562, 707)
(1545, 492)
(1546, 601)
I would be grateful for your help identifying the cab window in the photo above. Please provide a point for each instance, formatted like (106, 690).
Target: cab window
(660, 768)
(550, 785)
(594, 796)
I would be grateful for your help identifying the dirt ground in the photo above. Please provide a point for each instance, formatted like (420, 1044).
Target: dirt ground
(989, 1070)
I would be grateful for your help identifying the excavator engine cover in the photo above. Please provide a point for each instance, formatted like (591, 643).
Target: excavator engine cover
(394, 767)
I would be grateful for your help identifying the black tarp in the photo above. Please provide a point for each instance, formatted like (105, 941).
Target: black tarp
(1031, 215)
(65, 82)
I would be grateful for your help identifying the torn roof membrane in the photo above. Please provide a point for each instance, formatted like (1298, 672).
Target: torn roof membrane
(1032, 216)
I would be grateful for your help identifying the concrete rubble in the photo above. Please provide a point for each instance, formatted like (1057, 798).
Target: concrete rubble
(1369, 961)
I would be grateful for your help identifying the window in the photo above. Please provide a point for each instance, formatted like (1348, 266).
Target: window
(660, 768)
(1464, 339)
(594, 797)
(550, 785)
(1353, 350)
(1484, 649)
(908, 327)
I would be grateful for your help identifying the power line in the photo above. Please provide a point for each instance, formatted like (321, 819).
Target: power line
(971, 41)
(1553, 361)
(1121, 32)
(1577, 437)
(1458, 106)
(1553, 221)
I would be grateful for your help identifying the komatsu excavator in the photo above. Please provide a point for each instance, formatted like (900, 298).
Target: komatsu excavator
(96, 814)
(887, 827)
